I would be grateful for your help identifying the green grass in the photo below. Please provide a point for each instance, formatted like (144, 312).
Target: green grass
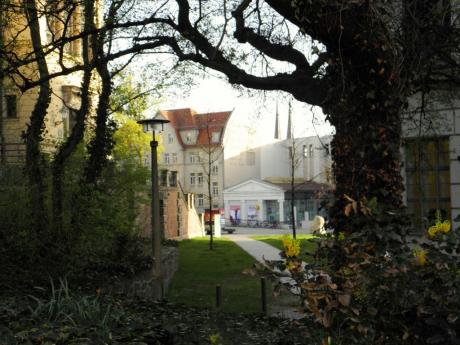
(201, 269)
(307, 243)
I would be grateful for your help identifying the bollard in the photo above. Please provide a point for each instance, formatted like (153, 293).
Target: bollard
(218, 296)
(263, 292)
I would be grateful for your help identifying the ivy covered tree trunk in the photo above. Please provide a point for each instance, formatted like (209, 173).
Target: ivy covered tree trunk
(34, 157)
(102, 142)
(77, 133)
(65, 151)
(365, 108)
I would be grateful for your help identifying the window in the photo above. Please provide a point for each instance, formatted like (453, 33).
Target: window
(194, 158)
(163, 177)
(214, 169)
(215, 136)
(173, 178)
(166, 158)
(305, 151)
(170, 138)
(250, 158)
(428, 179)
(174, 158)
(310, 150)
(200, 201)
(215, 188)
(69, 119)
(188, 138)
(200, 178)
(192, 179)
(10, 110)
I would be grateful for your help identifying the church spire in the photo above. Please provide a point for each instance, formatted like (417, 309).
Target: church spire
(277, 132)
(289, 124)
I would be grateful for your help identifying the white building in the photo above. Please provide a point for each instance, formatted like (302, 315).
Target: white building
(257, 181)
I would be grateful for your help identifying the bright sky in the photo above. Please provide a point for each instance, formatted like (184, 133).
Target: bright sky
(252, 114)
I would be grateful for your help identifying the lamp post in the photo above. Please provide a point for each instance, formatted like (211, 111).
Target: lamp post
(153, 125)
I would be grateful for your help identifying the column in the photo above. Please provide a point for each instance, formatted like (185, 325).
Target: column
(217, 226)
(244, 211)
(261, 210)
(281, 210)
(227, 212)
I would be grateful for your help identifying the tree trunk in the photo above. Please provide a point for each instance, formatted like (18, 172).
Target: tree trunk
(294, 235)
(77, 133)
(101, 145)
(366, 116)
(2, 86)
(34, 158)
(66, 150)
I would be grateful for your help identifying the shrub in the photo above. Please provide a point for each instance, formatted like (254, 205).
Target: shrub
(383, 287)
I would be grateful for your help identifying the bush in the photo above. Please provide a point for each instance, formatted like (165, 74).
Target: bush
(99, 233)
(383, 288)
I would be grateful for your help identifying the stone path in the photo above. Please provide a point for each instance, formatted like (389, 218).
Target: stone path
(285, 306)
(256, 249)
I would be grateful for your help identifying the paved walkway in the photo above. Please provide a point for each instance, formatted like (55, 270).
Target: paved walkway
(257, 249)
(287, 306)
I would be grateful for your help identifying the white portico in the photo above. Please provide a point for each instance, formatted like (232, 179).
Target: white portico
(254, 200)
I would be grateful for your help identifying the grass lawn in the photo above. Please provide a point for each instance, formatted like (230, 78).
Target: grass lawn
(201, 269)
(307, 243)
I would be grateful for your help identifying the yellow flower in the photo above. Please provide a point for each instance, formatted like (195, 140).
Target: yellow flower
(445, 227)
(439, 227)
(291, 247)
(214, 338)
(432, 231)
(290, 265)
(420, 256)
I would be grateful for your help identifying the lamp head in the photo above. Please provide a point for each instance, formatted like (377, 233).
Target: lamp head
(153, 124)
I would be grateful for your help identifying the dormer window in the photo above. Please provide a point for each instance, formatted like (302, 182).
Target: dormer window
(215, 137)
(188, 138)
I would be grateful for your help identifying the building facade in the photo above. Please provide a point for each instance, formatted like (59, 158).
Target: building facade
(431, 149)
(193, 154)
(16, 105)
(258, 181)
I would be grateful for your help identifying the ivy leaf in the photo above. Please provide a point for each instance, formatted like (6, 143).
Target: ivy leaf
(344, 299)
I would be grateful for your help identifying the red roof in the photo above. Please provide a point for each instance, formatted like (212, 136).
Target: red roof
(186, 119)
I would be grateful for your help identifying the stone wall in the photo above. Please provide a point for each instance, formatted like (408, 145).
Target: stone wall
(180, 218)
(148, 285)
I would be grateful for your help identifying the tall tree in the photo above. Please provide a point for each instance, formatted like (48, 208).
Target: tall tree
(68, 147)
(34, 134)
(211, 152)
(344, 56)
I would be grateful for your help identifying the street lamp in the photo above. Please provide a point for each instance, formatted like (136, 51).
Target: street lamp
(153, 125)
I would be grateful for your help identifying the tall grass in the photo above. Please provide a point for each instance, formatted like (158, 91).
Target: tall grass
(64, 306)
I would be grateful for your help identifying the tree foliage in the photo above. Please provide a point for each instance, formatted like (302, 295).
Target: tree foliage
(358, 60)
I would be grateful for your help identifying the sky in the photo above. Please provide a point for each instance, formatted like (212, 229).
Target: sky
(252, 114)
